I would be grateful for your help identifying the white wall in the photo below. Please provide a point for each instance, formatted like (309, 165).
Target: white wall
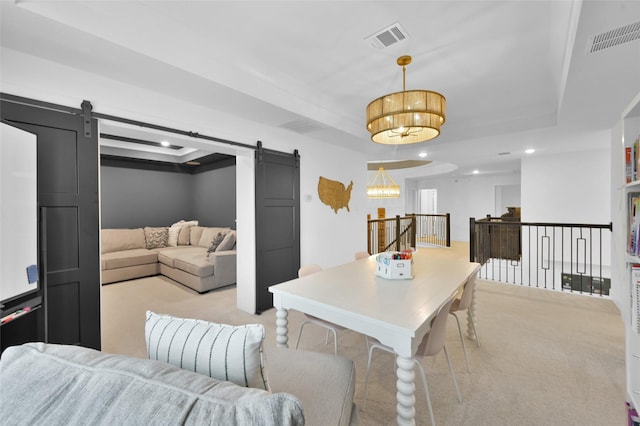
(572, 187)
(465, 197)
(327, 238)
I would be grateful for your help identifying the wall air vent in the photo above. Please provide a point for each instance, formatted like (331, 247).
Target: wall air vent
(387, 37)
(613, 38)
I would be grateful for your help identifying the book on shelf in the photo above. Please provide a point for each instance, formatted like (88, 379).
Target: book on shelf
(632, 161)
(628, 164)
(635, 159)
(633, 247)
(635, 298)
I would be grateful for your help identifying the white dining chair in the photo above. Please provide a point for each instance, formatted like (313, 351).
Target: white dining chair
(432, 344)
(463, 303)
(331, 327)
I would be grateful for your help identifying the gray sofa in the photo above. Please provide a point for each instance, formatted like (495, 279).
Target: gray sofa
(61, 385)
(134, 253)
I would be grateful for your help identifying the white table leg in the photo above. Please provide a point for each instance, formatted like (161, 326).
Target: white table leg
(281, 328)
(406, 391)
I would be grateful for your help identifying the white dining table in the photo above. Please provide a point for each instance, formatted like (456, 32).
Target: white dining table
(396, 312)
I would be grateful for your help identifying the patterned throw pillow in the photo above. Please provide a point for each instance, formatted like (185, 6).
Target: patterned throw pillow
(216, 242)
(156, 237)
(224, 352)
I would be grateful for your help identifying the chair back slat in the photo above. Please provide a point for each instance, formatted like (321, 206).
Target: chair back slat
(467, 294)
(434, 341)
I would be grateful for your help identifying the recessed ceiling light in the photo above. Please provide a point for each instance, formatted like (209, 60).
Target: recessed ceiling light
(165, 143)
(422, 154)
(475, 172)
(530, 151)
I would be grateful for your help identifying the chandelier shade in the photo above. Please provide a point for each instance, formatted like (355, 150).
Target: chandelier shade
(382, 186)
(406, 117)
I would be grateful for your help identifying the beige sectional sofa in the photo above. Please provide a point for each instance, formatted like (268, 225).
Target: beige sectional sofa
(202, 258)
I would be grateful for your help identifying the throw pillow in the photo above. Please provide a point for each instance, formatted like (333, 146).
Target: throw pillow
(156, 237)
(216, 242)
(174, 231)
(224, 352)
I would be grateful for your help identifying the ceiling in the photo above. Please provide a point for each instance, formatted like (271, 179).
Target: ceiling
(513, 72)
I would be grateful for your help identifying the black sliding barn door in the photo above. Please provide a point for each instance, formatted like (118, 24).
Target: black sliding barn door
(277, 222)
(68, 204)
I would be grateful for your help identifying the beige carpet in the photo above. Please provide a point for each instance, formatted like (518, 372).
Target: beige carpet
(546, 358)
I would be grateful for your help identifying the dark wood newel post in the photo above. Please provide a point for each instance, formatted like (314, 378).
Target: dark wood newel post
(472, 239)
(448, 231)
(415, 230)
(397, 232)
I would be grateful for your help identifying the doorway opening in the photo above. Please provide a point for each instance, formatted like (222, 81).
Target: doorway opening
(428, 201)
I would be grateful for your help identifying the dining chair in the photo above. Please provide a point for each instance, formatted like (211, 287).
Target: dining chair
(361, 255)
(463, 303)
(331, 327)
(432, 344)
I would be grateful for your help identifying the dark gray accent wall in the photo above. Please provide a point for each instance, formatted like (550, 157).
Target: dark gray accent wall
(135, 198)
(214, 195)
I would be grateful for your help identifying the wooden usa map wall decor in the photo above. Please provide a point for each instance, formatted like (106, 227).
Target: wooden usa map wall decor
(334, 194)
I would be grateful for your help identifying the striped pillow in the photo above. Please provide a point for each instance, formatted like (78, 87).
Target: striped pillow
(224, 352)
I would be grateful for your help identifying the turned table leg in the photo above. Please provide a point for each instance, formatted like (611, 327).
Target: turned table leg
(406, 391)
(281, 328)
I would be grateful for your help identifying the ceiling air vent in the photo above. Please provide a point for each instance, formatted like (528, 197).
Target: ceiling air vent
(613, 38)
(302, 126)
(387, 37)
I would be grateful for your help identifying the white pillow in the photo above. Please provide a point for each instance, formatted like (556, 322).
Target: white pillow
(224, 352)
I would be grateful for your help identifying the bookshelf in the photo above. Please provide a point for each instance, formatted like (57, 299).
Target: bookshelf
(629, 289)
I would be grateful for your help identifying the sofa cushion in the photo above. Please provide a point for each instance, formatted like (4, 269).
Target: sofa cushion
(196, 264)
(122, 239)
(221, 351)
(184, 237)
(169, 255)
(66, 385)
(196, 233)
(228, 243)
(156, 237)
(208, 234)
(216, 241)
(122, 259)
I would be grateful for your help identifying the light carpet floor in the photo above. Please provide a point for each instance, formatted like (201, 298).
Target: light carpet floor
(546, 358)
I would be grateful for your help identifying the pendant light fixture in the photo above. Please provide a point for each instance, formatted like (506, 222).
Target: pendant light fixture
(382, 186)
(406, 117)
